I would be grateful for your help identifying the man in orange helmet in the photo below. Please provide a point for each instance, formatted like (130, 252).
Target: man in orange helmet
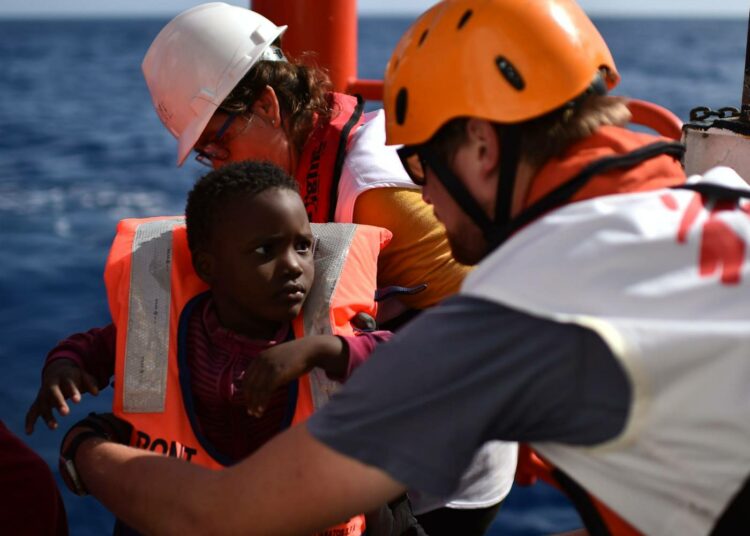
(606, 322)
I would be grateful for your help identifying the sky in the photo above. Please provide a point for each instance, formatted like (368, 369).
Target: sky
(698, 8)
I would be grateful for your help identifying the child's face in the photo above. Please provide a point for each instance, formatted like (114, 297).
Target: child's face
(260, 261)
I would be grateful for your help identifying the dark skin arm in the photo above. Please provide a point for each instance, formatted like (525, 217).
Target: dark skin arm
(285, 362)
(62, 380)
(81, 363)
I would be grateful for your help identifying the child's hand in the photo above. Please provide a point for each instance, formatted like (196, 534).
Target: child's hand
(62, 380)
(288, 361)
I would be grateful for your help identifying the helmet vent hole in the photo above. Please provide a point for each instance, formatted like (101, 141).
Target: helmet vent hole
(510, 73)
(465, 18)
(401, 104)
(422, 37)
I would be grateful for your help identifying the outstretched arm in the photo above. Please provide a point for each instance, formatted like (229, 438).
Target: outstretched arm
(293, 485)
(337, 356)
(82, 363)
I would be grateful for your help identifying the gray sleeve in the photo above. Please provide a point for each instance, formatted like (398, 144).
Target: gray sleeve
(465, 372)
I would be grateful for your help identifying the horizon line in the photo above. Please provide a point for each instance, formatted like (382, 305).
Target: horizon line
(606, 13)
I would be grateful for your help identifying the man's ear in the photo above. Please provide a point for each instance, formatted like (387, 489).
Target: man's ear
(203, 264)
(267, 107)
(485, 142)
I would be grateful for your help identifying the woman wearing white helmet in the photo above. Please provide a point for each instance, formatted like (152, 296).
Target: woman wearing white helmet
(224, 89)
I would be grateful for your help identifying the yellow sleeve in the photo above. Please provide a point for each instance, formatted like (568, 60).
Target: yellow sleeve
(419, 251)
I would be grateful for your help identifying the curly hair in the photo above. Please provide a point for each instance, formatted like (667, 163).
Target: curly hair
(303, 92)
(213, 190)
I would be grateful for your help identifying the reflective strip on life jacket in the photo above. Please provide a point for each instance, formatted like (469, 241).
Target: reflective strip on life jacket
(343, 257)
(148, 333)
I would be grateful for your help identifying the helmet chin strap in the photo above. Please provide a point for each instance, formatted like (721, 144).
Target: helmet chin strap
(491, 229)
(496, 230)
(510, 156)
(457, 190)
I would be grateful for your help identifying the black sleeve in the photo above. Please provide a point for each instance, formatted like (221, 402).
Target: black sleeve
(466, 372)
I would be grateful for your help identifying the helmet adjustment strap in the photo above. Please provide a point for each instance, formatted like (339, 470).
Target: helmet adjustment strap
(597, 87)
(272, 53)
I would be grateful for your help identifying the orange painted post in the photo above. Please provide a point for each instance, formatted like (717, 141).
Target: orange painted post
(326, 27)
(369, 89)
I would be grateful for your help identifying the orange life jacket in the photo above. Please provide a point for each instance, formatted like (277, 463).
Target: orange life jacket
(659, 172)
(322, 158)
(599, 519)
(150, 286)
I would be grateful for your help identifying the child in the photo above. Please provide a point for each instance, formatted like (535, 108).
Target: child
(251, 243)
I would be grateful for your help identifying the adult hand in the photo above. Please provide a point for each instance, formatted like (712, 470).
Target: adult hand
(62, 380)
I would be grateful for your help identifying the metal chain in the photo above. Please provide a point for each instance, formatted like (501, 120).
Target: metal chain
(703, 113)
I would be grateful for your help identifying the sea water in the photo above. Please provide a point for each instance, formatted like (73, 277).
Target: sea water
(81, 148)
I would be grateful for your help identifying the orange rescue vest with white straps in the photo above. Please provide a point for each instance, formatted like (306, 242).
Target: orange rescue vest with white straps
(322, 158)
(150, 285)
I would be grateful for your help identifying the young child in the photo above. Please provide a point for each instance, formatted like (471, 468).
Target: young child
(252, 245)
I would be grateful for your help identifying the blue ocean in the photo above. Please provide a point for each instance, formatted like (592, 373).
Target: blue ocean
(81, 148)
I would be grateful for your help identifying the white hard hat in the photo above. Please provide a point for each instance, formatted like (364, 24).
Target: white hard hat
(196, 61)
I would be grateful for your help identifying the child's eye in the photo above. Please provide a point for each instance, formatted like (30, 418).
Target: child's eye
(264, 250)
(304, 246)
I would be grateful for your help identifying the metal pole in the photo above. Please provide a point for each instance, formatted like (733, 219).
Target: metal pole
(745, 109)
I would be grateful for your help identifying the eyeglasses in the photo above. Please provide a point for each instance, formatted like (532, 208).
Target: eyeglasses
(414, 163)
(215, 149)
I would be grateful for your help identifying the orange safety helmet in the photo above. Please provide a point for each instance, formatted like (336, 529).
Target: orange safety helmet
(506, 61)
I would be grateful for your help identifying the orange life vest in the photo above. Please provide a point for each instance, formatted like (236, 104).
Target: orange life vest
(322, 158)
(597, 517)
(659, 172)
(150, 285)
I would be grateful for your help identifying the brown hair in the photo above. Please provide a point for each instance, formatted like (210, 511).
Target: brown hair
(550, 135)
(303, 93)
(547, 136)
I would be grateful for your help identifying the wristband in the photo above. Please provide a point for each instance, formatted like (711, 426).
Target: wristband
(104, 426)
(67, 460)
